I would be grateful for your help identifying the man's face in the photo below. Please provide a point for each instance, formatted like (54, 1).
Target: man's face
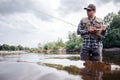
(91, 13)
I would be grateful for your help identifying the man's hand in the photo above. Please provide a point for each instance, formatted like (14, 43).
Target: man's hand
(103, 27)
(97, 31)
(91, 30)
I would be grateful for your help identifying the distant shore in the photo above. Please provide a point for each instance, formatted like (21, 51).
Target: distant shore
(12, 52)
(111, 51)
(61, 51)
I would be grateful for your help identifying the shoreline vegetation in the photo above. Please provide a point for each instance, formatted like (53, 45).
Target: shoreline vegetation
(75, 51)
(59, 51)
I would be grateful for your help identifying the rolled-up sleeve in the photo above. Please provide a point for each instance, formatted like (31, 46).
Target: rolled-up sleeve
(81, 30)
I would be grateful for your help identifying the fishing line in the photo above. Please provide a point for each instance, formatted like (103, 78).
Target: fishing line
(58, 19)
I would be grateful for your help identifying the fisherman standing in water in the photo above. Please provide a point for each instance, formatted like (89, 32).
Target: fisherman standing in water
(92, 30)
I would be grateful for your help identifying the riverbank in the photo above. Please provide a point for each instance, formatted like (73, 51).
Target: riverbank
(113, 50)
(60, 51)
(105, 50)
(13, 52)
(50, 51)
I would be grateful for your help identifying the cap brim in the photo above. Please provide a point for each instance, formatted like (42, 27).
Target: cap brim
(87, 8)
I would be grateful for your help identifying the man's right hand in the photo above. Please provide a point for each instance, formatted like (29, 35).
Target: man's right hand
(91, 30)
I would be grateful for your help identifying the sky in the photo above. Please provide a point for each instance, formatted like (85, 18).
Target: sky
(29, 22)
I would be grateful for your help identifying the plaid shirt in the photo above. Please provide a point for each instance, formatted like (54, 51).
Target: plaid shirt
(88, 42)
(91, 43)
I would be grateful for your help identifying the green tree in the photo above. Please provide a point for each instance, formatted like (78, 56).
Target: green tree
(46, 47)
(54, 45)
(13, 48)
(113, 33)
(0, 47)
(20, 47)
(5, 47)
(109, 18)
(74, 41)
(49, 45)
(59, 44)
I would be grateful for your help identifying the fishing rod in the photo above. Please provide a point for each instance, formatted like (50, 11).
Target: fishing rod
(63, 20)
(58, 19)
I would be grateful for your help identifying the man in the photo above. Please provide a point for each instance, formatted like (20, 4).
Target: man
(91, 30)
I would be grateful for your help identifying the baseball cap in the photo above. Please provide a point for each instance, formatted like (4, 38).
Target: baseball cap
(90, 7)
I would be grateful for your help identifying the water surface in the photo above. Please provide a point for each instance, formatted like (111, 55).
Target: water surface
(33, 66)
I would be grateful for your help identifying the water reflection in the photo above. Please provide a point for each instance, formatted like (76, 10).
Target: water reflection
(112, 75)
(112, 57)
(70, 69)
(70, 64)
(90, 74)
(108, 73)
(99, 71)
(93, 70)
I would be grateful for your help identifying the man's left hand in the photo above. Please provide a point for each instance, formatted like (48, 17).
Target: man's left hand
(103, 27)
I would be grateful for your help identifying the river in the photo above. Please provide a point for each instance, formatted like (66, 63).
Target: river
(39, 66)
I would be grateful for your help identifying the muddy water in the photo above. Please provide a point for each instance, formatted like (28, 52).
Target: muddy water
(33, 66)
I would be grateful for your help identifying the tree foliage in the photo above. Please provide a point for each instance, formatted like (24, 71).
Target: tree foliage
(54, 45)
(113, 33)
(7, 47)
(109, 18)
(74, 41)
